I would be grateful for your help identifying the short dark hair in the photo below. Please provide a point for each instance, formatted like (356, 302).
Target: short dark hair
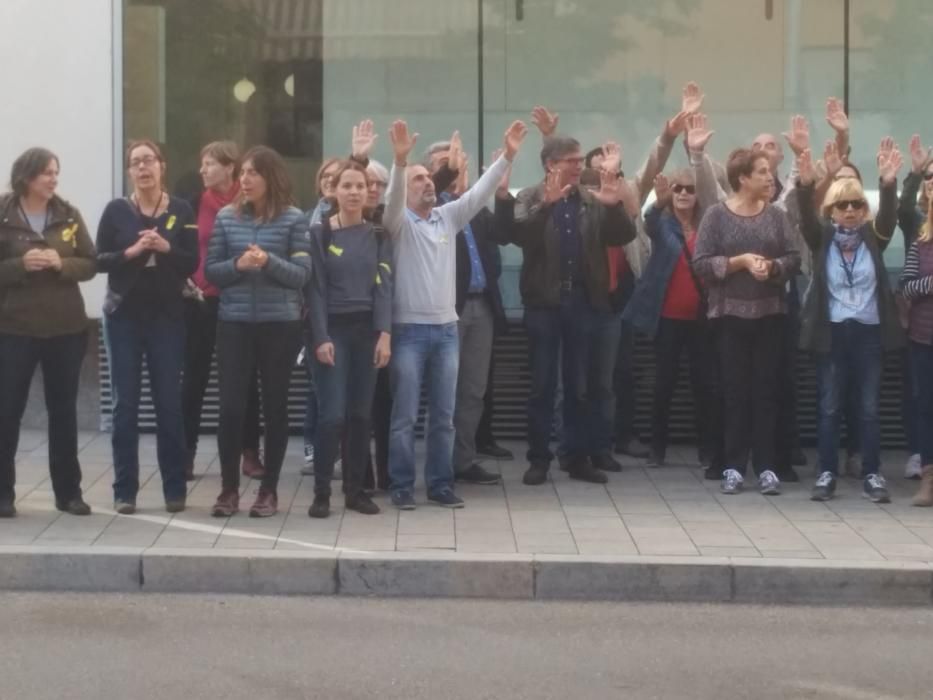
(591, 154)
(30, 165)
(271, 167)
(224, 152)
(556, 147)
(741, 162)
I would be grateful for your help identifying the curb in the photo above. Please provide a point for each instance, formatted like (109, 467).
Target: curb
(451, 575)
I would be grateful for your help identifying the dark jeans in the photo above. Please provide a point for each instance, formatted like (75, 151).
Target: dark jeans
(585, 339)
(921, 358)
(161, 340)
(345, 391)
(60, 358)
(910, 404)
(382, 419)
(624, 385)
(673, 338)
(750, 360)
(201, 326)
(242, 348)
(854, 360)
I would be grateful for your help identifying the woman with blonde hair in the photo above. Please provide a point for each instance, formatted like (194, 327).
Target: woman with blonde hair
(916, 286)
(850, 317)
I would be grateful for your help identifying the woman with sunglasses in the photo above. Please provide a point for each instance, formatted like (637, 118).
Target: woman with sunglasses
(849, 317)
(669, 305)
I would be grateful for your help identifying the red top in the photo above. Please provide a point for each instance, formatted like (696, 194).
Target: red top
(682, 301)
(618, 265)
(211, 203)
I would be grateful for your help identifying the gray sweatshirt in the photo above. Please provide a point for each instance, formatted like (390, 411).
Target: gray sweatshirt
(425, 251)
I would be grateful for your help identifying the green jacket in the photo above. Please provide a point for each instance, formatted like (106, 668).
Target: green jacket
(45, 303)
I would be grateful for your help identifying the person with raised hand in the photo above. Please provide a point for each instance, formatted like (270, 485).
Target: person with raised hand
(259, 258)
(148, 243)
(425, 340)
(850, 318)
(564, 231)
(350, 319)
(745, 253)
(45, 251)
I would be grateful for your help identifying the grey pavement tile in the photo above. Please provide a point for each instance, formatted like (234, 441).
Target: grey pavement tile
(729, 552)
(850, 553)
(791, 554)
(409, 542)
(918, 551)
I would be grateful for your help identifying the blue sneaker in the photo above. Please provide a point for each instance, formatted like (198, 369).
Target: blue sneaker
(875, 489)
(403, 500)
(446, 498)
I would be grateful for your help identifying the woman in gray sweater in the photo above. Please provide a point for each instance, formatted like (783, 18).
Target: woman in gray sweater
(745, 252)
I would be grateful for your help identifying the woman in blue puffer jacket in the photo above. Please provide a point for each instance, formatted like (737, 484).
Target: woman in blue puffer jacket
(259, 258)
(669, 306)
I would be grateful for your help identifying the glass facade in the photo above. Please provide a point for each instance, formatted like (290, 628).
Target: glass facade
(296, 74)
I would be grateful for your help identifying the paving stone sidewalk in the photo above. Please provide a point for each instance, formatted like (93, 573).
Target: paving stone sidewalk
(670, 511)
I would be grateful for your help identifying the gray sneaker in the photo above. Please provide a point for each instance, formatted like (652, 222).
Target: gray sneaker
(769, 484)
(875, 489)
(732, 482)
(824, 488)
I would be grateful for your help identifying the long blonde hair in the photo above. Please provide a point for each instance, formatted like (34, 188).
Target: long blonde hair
(926, 231)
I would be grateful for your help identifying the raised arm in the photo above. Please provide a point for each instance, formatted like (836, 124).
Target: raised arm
(698, 135)
(839, 122)
(810, 227)
(889, 163)
(397, 194)
(909, 218)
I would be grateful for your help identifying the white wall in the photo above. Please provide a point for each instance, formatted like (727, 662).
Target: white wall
(58, 80)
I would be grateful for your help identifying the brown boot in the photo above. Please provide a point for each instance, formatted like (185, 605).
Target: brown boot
(266, 504)
(252, 466)
(924, 497)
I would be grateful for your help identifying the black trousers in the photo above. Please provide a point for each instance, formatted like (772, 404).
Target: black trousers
(201, 326)
(750, 357)
(60, 358)
(624, 384)
(241, 349)
(673, 339)
(484, 434)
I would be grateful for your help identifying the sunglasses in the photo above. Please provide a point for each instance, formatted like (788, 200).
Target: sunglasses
(689, 189)
(928, 176)
(844, 204)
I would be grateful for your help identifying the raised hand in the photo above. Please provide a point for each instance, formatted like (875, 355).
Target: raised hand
(889, 160)
(662, 190)
(513, 138)
(545, 120)
(402, 141)
(502, 189)
(456, 160)
(675, 125)
(919, 156)
(836, 115)
(611, 189)
(798, 138)
(692, 99)
(698, 133)
(612, 157)
(552, 188)
(805, 169)
(363, 139)
(831, 158)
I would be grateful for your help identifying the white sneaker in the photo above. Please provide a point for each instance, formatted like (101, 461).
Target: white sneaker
(732, 482)
(913, 469)
(769, 484)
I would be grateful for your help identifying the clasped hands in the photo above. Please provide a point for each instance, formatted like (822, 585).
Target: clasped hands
(42, 259)
(255, 258)
(759, 267)
(149, 241)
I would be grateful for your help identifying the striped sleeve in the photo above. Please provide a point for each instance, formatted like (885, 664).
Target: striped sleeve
(912, 284)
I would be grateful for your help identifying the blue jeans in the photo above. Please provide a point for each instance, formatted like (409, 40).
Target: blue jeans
(161, 339)
(583, 341)
(420, 351)
(346, 394)
(854, 360)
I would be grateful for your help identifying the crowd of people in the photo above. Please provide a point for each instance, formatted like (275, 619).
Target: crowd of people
(389, 289)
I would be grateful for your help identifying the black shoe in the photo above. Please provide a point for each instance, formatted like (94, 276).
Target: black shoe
(446, 498)
(712, 473)
(76, 506)
(632, 448)
(606, 463)
(7, 508)
(797, 458)
(536, 474)
(361, 504)
(582, 470)
(494, 451)
(320, 508)
(175, 505)
(824, 488)
(788, 474)
(403, 500)
(475, 474)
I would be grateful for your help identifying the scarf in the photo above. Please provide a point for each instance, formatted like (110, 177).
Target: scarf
(848, 239)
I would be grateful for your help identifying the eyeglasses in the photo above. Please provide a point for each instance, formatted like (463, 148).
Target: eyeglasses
(689, 189)
(928, 176)
(146, 160)
(844, 204)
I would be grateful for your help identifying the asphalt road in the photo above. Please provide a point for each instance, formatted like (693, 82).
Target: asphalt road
(137, 647)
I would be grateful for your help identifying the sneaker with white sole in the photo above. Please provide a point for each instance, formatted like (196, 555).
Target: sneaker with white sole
(769, 484)
(875, 489)
(913, 469)
(732, 482)
(824, 488)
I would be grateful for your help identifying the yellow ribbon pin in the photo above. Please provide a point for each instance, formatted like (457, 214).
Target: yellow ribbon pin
(68, 235)
(171, 222)
(335, 250)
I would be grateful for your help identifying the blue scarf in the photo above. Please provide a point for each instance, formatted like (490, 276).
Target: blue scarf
(848, 239)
